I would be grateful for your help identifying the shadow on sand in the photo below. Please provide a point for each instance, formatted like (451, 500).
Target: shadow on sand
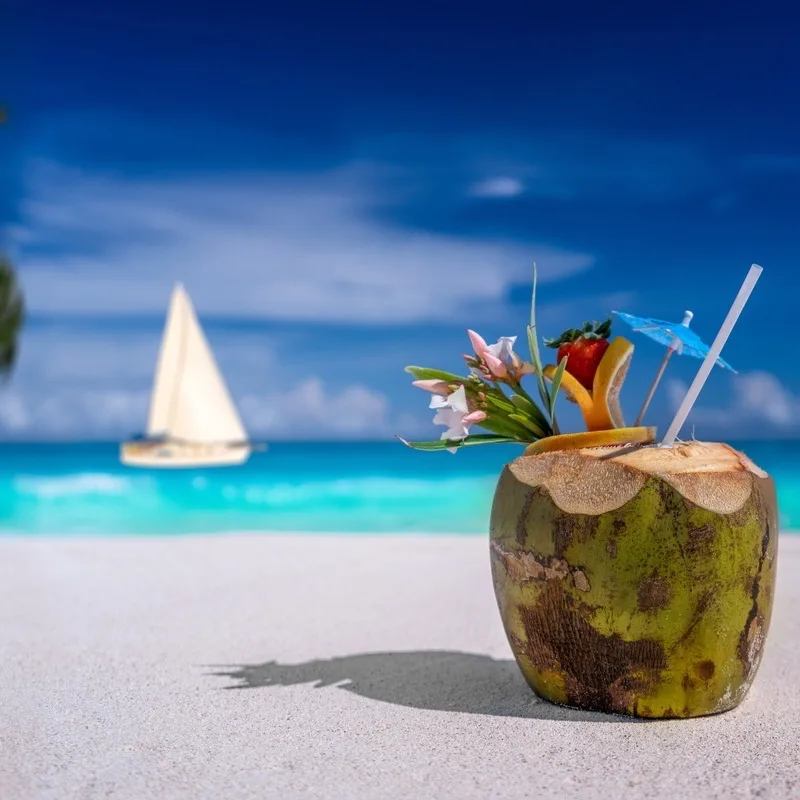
(430, 679)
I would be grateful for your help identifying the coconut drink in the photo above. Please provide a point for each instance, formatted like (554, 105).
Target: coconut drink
(632, 577)
(636, 580)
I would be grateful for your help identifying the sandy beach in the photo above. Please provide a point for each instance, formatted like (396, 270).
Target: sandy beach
(331, 666)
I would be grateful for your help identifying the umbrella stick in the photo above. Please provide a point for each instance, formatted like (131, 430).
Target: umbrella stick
(687, 318)
(654, 385)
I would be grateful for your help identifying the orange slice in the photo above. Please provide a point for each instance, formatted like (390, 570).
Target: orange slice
(577, 441)
(608, 380)
(600, 407)
(572, 388)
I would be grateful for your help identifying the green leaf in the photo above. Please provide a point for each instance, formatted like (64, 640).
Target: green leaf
(426, 374)
(12, 317)
(500, 403)
(523, 404)
(534, 346)
(569, 335)
(444, 444)
(556, 382)
(505, 426)
(604, 330)
(537, 363)
(520, 390)
(508, 426)
(554, 387)
(526, 403)
(540, 434)
(504, 404)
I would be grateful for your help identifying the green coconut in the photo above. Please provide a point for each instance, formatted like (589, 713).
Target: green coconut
(636, 580)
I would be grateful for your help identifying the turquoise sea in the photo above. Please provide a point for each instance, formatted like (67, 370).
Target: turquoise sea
(68, 489)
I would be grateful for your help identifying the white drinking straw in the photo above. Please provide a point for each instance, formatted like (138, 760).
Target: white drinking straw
(713, 354)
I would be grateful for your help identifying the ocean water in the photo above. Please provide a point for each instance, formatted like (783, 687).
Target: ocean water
(68, 489)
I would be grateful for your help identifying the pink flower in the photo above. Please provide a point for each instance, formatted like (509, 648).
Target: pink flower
(520, 367)
(493, 356)
(496, 366)
(478, 343)
(474, 417)
(433, 385)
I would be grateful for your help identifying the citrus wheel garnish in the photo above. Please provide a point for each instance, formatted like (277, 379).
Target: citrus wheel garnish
(609, 378)
(577, 441)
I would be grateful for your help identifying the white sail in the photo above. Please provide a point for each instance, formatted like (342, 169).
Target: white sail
(190, 400)
(162, 397)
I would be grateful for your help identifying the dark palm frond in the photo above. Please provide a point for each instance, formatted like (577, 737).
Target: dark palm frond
(12, 316)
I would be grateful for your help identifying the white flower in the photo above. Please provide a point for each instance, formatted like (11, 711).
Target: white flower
(503, 349)
(454, 412)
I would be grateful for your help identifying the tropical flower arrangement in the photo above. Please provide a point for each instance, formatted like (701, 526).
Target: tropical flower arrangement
(590, 370)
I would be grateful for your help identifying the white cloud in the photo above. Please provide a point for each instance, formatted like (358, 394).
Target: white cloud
(588, 164)
(267, 246)
(497, 187)
(311, 410)
(760, 403)
(73, 412)
(96, 384)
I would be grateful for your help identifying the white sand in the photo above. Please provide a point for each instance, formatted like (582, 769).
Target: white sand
(108, 685)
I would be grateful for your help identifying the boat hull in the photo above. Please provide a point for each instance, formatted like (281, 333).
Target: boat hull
(179, 455)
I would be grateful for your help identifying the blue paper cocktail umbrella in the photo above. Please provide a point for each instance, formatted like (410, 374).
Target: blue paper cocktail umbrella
(678, 337)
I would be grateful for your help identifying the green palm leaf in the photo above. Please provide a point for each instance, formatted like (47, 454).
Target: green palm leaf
(12, 317)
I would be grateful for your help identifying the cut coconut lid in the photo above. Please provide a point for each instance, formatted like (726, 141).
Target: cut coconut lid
(596, 480)
(682, 459)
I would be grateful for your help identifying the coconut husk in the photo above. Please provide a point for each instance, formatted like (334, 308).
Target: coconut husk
(636, 580)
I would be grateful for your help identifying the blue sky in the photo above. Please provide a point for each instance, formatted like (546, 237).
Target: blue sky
(345, 188)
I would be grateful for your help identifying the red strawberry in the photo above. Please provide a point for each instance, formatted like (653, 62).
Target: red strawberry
(584, 349)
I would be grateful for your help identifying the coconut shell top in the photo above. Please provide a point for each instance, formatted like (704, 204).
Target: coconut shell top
(596, 480)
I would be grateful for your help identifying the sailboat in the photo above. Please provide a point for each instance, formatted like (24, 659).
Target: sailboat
(192, 421)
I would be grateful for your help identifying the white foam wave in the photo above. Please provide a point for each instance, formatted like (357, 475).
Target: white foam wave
(363, 490)
(85, 483)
